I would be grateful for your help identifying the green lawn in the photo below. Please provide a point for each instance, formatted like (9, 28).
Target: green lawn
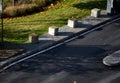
(17, 29)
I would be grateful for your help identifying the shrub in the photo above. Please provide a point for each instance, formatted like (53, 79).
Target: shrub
(24, 9)
(10, 11)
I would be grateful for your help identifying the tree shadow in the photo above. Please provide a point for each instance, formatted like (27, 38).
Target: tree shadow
(74, 59)
(91, 4)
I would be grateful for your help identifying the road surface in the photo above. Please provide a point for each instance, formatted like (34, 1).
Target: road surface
(79, 61)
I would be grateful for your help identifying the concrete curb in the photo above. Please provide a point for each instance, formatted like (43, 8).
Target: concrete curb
(11, 60)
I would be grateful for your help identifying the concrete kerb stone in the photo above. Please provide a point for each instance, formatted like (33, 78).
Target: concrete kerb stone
(13, 59)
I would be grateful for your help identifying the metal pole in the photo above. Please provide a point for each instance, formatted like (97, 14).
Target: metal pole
(2, 27)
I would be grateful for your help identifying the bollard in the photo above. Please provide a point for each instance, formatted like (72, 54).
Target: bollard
(53, 30)
(95, 12)
(116, 5)
(110, 8)
(33, 38)
(72, 23)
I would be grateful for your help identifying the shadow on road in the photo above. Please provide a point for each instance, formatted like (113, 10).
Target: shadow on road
(70, 58)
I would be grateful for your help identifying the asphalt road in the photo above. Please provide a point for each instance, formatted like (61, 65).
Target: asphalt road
(79, 61)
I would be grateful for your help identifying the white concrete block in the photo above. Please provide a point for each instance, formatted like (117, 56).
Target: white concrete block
(72, 23)
(95, 12)
(53, 30)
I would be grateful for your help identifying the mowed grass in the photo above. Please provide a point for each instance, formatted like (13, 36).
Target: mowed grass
(17, 29)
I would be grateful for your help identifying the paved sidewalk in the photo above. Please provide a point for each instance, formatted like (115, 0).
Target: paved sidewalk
(65, 33)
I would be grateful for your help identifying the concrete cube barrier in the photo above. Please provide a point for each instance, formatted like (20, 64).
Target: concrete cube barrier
(95, 12)
(53, 30)
(72, 23)
(33, 38)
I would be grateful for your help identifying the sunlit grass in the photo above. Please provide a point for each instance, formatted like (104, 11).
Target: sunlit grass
(17, 29)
